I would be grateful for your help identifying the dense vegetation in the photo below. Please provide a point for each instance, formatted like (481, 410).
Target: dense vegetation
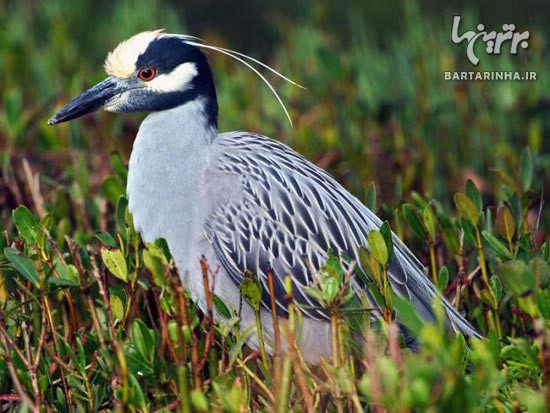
(93, 320)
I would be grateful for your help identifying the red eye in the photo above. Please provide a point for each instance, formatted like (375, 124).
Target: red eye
(147, 73)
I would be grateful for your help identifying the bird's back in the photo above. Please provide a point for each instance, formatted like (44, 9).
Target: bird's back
(289, 210)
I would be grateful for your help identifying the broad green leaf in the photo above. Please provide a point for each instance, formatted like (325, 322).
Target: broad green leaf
(385, 231)
(407, 314)
(331, 269)
(220, 307)
(496, 285)
(544, 303)
(115, 262)
(531, 400)
(121, 206)
(163, 245)
(251, 290)
(377, 247)
(371, 197)
(119, 167)
(466, 208)
(106, 239)
(473, 193)
(505, 222)
(137, 398)
(112, 189)
(199, 401)
(526, 169)
(26, 224)
(23, 264)
(443, 278)
(155, 261)
(430, 222)
(117, 308)
(412, 219)
(516, 277)
(496, 245)
(143, 339)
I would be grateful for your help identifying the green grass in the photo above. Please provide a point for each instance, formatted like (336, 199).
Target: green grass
(93, 320)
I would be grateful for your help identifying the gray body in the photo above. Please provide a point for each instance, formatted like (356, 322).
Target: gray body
(246, 201)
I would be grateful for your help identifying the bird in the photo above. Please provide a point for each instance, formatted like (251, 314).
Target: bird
(242, 200)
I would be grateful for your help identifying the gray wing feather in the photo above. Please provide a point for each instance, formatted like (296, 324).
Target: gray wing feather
(292, 210)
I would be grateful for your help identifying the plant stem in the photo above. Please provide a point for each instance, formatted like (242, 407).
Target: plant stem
(485, 277)
(433, 263)
(286, 379)
(183, 389)
(261, 337)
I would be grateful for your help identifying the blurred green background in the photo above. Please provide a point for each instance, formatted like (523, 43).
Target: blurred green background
(376, 106)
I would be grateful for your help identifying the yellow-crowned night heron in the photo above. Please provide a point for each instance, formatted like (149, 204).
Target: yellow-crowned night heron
(241, 199)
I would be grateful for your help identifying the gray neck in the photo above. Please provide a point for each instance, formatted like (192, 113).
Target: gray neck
(188, 123)
(167, 172)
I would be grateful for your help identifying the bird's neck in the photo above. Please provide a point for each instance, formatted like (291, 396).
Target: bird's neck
(167, 168)
(190, 123)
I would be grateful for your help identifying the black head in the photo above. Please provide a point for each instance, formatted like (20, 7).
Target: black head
(151, 71)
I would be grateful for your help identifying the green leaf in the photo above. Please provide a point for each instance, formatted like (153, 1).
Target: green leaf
(23, 264)
(26, 224)
(119, 167)
(121, 206)
(155, 261)
(526, 169)
(200, 403)
(430, 222)
(251, 290)
(516, 277)
(496, 285)
(112, 189)
(117, 308)
(106, 239)
(221, 308)
(115, 263)
(466, 208)
(377, 247)
(68, 275)
(163, 245)
(443, 278)
(411, 216)
(137, 397)
(385, 230)
(143, 339)
(407, 314)
(371, 197)
(533, 401)
(544, 303)
(473, 193)
(505, 222)
(496, 245)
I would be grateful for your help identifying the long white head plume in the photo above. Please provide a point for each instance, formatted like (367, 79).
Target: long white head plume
(240, 58)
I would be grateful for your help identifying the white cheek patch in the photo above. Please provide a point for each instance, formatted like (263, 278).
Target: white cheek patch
(175, 81)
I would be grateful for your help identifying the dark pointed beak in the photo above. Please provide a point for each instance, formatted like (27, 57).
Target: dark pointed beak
(90, 101)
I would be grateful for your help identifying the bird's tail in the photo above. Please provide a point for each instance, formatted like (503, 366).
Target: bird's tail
(409, 280)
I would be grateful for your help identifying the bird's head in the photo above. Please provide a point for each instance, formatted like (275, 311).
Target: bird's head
(151, 71)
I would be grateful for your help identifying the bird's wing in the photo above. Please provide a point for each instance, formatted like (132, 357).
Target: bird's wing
(291, 210)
